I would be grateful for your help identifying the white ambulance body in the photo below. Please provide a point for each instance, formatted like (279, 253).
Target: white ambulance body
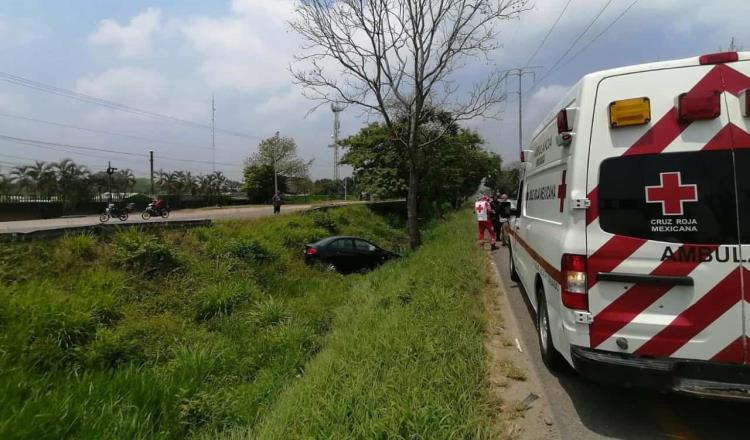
(632, 234)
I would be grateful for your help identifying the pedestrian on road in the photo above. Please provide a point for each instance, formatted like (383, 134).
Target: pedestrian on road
(504, 219)
(276, 203)
(495, 216)
(483, 211)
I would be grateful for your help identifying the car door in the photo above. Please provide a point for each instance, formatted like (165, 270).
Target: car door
(737, 78)
(367, 255)
(664, 271)
(344, 254)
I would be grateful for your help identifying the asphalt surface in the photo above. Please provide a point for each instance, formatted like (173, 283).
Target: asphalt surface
(234, 212)
(586, 410)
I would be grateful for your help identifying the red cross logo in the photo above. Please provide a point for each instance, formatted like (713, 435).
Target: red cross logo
(561, 190)
(671, 193)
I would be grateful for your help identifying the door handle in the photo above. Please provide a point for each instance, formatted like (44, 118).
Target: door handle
(662, 280)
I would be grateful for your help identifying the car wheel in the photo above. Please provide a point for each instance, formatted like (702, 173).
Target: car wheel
(513, 272)
(551, 357)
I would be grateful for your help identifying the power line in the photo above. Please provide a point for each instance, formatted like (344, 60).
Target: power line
(25, 82)
(52, 145)
(92, 130)
(575, 41)
(611, 23)
(544, 40)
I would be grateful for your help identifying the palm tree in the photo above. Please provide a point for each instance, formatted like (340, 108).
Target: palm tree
(5, 184)
(169, 182)
(72, 179)
(123, 180)
(188, 183)
(37, 179)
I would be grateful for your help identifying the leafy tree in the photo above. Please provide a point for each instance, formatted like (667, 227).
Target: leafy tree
(510, 176)
(397, 59)
(450, 170)
(280, 155)
(258, 183)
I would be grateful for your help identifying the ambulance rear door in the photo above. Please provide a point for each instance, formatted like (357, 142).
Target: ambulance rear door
(664, 261)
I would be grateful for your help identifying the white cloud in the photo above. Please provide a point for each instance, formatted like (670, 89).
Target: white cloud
(132, 85)
(131, 40)
(245, 51)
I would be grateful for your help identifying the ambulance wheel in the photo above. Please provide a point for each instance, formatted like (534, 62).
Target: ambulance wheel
(513, 273)
(550, 356)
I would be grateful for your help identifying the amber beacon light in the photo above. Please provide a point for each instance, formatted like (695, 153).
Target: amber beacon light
(627, 112)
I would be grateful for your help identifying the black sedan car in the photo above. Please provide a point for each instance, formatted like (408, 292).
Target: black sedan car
(346, 254)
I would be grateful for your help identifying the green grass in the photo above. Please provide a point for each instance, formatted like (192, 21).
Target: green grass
(405, 358)
(224, 331)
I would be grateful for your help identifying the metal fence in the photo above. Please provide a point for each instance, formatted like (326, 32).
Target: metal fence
(30, 198)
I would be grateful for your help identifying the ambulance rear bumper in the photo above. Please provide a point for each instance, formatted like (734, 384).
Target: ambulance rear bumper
(697, 378)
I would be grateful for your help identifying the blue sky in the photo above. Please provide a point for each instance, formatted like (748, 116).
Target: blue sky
(171, 56)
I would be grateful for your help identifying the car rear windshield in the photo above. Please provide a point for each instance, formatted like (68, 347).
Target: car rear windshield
(673, 197)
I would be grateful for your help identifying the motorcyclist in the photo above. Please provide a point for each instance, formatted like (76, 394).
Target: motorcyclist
(159, 204)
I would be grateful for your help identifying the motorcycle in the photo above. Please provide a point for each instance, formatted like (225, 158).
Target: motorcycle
(113, 211)
(153, 211)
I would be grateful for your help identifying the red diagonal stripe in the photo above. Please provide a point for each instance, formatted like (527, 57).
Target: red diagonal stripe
(695, 318)
(734, 81)
(593, 210)
(636, 299)
(733, 353)
(740, 138)
(722, 140)
(611, 254)
(659, 136)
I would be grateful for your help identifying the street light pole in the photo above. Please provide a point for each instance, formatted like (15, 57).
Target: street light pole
(110, 171)
(151, 160)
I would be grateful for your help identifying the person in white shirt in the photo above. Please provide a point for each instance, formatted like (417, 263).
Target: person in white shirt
(483, 212)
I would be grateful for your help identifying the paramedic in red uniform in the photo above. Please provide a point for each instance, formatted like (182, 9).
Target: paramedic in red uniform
(483, 212)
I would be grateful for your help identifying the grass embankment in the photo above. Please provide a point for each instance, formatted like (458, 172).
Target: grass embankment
(224, 331)
(405, 358)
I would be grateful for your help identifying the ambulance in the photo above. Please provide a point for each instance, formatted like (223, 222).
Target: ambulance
(631, 235)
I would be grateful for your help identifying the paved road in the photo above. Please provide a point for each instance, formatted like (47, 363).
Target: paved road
(585, 410)
(235, 212)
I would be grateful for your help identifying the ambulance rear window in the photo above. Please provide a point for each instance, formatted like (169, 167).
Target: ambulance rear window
(673, 197)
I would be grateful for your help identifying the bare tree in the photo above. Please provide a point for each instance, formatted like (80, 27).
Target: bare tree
(398, 59)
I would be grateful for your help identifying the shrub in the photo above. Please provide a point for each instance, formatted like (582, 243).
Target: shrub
(269, 312)
(323, 220)
(76, 246)
(221, 299)
(144, 252)
(251, 250)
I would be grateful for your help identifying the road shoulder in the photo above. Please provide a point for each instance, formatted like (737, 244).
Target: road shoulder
(515, 388)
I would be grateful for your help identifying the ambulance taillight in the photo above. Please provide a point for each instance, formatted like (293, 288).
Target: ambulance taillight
(719, 57)
(563, 124)
(574, 287)
(696, 106)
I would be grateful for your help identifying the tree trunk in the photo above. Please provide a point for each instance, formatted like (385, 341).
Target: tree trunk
(412, 213)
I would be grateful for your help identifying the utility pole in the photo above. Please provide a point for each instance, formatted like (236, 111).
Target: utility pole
(151, 163)
(110, 171)
(213, 134)
(336, 108)
(520, 72)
